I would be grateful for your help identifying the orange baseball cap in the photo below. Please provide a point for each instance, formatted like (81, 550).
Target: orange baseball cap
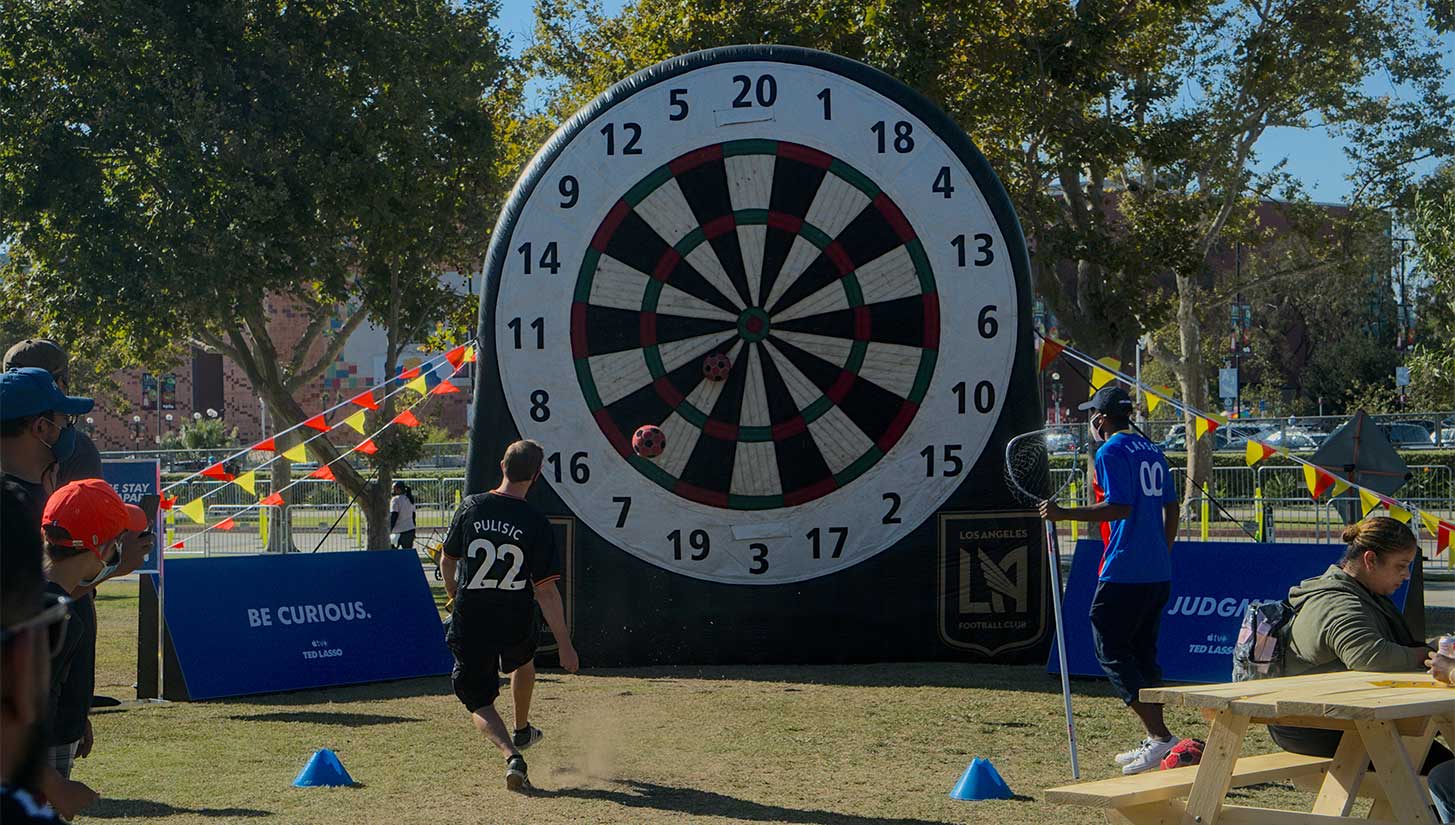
(92, 513)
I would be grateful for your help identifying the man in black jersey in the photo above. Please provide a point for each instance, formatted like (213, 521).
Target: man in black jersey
(499, 561)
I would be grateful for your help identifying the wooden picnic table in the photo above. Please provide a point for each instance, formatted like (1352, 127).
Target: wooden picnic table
(1389, 719)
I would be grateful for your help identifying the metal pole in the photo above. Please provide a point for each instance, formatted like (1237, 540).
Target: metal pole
(1053, 551)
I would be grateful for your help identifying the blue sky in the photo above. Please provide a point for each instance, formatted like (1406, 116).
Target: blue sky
(1313, 156)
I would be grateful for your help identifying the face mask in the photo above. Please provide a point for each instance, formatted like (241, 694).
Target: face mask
(106, 571)
(1094, 431)
(65, 443)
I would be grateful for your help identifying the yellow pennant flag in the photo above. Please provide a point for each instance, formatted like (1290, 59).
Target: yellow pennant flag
(1399, 513)
(1340, 486)
(1153, 401)
(196, 509)
(1101, 377)
(247, 481)
(417, 385)
(357, 422)
(1432, 524)
(1369, 500)
(470, 355)
(296, 454)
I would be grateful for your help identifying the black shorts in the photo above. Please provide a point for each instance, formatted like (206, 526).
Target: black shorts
(480, 661)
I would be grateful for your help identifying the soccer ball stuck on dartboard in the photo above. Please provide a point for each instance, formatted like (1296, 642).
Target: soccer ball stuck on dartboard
(649, 441)
(716, 366)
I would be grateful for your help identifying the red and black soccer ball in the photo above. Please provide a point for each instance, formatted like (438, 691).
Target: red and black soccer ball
(1184, 753)
(716, 366)
(649, 441)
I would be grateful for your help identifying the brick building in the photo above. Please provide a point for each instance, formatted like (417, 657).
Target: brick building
(206, 381)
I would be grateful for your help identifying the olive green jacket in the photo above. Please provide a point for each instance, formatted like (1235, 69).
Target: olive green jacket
(1340, 625)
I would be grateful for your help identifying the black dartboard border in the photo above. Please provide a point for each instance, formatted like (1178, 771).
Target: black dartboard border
(494, 426)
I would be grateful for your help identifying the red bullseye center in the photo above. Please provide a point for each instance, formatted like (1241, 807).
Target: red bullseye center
(753, 324)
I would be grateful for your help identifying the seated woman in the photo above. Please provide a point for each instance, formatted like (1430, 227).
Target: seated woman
(1345, 620)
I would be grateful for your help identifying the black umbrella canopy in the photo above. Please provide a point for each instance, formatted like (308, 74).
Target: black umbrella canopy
(1358, 452)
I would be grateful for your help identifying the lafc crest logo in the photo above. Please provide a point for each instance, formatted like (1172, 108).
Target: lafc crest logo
(992, 584)
(1003, 583)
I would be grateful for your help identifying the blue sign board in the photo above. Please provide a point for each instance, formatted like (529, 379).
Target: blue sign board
(133, 478)
(1212, 584)
(259, 624)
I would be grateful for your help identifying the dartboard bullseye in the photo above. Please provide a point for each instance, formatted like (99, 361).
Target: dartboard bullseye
(808, 288)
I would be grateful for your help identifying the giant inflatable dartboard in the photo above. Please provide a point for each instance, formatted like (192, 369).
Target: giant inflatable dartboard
(820, 226)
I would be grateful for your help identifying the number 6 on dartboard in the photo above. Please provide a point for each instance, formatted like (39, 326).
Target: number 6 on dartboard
(796, 318)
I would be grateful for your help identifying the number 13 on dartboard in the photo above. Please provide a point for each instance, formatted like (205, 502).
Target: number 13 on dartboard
(796, 274)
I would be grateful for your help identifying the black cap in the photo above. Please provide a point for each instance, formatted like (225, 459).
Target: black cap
(1109, 400)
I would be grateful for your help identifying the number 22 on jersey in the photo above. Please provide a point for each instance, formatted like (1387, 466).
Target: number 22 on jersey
(508, 553)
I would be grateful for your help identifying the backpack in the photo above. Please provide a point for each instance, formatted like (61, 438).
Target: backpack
(1262, 641)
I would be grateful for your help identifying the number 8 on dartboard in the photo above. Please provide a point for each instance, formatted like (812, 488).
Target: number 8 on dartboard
(797, 273)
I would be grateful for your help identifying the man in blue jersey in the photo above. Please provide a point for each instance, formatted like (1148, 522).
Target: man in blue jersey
(1137, 507)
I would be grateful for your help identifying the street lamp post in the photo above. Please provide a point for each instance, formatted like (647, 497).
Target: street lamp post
(1056, 396)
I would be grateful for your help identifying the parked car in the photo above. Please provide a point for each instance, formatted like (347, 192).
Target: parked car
(1293, 438)
(1407, 436)
(1062, 441)
(1231, 437)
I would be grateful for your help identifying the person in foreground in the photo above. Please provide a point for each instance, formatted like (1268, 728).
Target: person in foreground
(86, 525)
(1137, 507)
(1345, 620)
(499, 561)
(29, 618)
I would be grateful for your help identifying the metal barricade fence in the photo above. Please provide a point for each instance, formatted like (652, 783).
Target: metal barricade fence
(320, 514)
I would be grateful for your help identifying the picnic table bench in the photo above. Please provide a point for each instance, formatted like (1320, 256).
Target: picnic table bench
(1388, 719)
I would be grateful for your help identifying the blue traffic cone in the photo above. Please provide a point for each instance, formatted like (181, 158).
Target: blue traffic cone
(323, 771)
(980, 781)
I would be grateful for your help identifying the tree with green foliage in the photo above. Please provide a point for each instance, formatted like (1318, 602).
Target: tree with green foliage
(170, 173)
(1125, 133)
(1432, 220)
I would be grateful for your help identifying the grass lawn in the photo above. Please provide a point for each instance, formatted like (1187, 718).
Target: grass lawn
(814, 745)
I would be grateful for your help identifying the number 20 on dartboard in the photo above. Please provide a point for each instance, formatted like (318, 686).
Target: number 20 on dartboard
(795, 269)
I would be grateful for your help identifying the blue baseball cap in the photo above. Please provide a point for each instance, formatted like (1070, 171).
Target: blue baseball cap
(32, 391)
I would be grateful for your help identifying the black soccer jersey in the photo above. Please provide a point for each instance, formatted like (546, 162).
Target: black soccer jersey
(506, 548)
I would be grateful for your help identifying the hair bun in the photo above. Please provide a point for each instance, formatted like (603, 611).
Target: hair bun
(1351, 533)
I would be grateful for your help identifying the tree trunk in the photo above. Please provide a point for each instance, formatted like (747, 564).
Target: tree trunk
(1192, 376)
(280, 539)
(375, 504)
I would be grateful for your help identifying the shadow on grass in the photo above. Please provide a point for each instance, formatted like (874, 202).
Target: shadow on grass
(106, 808)
(1011, 678)
(635, 794)
(373, 692)
(309, 717)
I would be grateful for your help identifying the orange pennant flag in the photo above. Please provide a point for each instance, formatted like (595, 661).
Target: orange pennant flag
(366, 400)
(216, 471)
(1317, 480)
(178, 545)
(407, 418)
(325, 472)
(266, 445)
(166, 503)
(1050, 349)
(444, 388)
(368, 447)
(456, 356)
(273, 500)
(1258, 452)
(412, 372)
(317, 423)
(225, 524)
(1442, 537)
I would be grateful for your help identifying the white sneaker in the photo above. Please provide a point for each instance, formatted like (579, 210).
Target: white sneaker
(1150, 756)
(1128, 757)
